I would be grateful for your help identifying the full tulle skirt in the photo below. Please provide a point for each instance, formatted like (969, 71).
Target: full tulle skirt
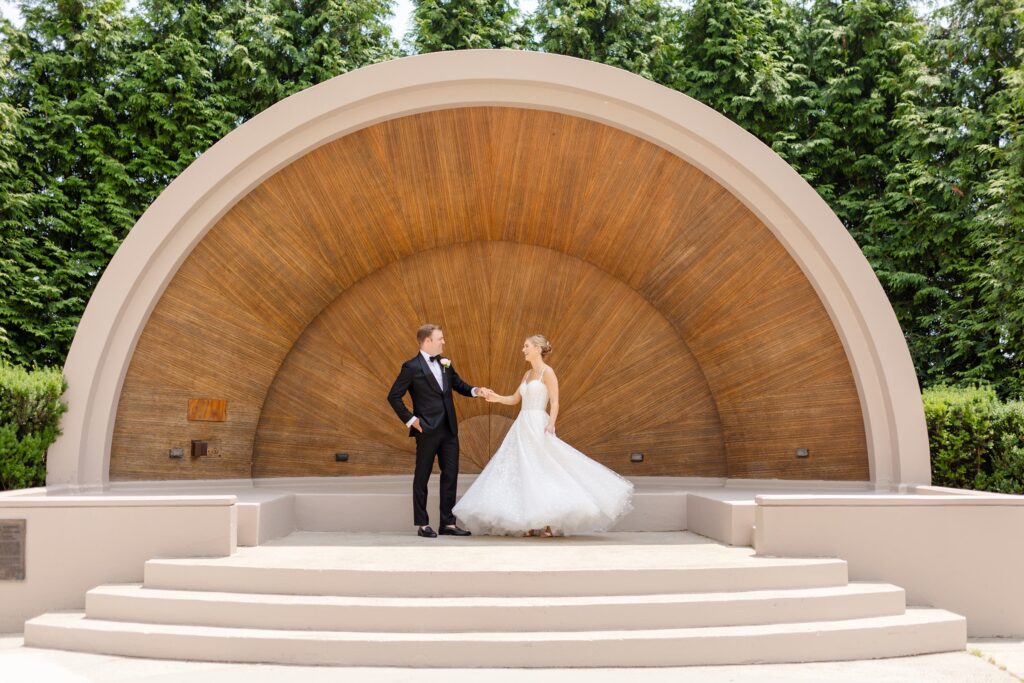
(536, 480)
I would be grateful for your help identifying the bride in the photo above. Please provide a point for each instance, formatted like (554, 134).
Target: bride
(536, 481)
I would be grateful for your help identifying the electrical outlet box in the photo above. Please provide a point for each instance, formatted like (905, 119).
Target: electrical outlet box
(341, 457)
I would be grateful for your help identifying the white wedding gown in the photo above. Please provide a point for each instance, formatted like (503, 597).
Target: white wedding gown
(535, 479)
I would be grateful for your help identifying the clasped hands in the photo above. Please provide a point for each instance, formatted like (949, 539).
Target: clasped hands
(488, 394)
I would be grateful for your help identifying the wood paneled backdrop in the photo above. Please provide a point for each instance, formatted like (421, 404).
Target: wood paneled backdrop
(682, 329)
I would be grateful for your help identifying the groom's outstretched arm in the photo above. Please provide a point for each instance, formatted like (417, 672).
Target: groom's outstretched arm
(460, 386)
(397, 393)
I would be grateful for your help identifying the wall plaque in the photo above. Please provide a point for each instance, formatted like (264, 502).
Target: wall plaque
(12, 549)
(208, 409)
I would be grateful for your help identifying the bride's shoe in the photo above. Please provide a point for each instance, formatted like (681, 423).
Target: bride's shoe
(547, 533)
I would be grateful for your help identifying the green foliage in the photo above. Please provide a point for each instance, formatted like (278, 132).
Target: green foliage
(860, 55)
(70, 216)
(102, 107)
(1001, 219)
(976, 441)
(641, 36)
(331, 37)
(942, 237)
(466, 24)
(743, 59)
(908, 126)
(30, 410)
(12, 198)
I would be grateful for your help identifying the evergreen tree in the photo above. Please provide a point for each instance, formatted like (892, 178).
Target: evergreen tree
(908, 127)
(861, 55)
(332, 37)
(864, 149)
(248, 54)
(12, 196)
(73, 213)
(466, 24)
(1003, 284)
(742, 58)
(963, 148)
(115, 105)
(640, 36)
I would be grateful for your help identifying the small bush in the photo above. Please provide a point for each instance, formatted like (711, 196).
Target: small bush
(30, 410)
(975, 439)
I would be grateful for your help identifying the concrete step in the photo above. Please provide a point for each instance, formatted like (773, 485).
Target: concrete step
(234, 574)
(917, 631)
(135, 603)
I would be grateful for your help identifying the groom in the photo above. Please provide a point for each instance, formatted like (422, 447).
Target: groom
(430, 378)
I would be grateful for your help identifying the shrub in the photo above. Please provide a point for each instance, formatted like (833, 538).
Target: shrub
(30, 410)
(975, 439)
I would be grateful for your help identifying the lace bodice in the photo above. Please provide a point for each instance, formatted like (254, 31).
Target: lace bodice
(535, 394)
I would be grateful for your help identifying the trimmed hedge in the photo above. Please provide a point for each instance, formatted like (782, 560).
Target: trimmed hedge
(30, 410)
(977, 441)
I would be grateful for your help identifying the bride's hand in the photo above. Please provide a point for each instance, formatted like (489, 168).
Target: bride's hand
(550, 429)
(491, 397)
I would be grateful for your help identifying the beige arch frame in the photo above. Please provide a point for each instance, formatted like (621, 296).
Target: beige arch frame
(803, 223)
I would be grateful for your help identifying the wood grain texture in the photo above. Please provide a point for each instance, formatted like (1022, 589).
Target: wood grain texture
(681, 327)
(618, 367)
(207, 409)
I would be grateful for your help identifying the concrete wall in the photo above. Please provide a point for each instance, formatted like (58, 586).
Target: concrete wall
(75, 543)
(962, 553)
(959, 551)
(723, 520)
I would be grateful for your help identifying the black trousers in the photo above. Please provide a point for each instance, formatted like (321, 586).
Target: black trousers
(445, 446)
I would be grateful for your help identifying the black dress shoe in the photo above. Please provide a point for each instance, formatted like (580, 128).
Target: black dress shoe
(453, 531)
(426, 532)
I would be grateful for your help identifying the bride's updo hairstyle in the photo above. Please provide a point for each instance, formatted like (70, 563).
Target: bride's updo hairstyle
(541, 341)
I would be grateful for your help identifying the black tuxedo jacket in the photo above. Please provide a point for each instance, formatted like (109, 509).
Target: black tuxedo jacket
(431, 403)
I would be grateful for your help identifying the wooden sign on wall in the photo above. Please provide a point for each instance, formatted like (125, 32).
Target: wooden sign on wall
(208, 409)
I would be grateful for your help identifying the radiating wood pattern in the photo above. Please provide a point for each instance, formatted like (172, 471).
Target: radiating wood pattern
(681, 327)
(619, 367)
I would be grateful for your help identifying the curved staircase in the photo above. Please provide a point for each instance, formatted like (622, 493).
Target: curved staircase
(617, 599)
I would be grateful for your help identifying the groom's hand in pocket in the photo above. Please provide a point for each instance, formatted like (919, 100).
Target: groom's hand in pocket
(416, 425)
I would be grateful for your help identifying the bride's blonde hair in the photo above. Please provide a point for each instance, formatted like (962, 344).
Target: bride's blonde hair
(541, 341)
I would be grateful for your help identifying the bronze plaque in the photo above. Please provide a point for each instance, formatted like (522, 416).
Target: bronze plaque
(12, 549)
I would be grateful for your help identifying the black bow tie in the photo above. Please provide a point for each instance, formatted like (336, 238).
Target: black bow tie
(435, 359)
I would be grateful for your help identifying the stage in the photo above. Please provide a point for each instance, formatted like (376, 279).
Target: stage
(695, 545)
(394, 599)
(230, 483)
